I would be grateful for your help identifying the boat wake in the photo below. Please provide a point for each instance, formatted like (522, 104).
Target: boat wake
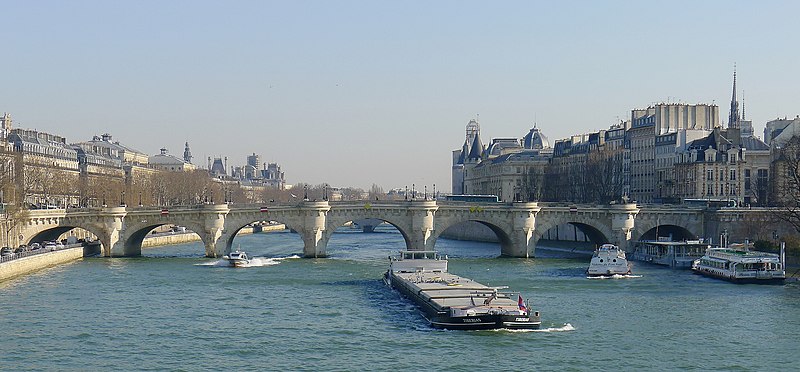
(254, 262)
(565, 328)
(615, 276)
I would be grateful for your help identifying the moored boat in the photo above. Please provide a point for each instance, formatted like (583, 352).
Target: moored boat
(677, 255)
(608, 260)
(238, 258)
(741, 265)
(453, 302)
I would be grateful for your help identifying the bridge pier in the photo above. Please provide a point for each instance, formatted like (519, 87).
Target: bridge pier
(422, 213)
(523, 244)
(112, 219)
(622, 223)
(214, 230)
(314, 216)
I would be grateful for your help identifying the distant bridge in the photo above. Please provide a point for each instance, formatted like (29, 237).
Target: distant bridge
(518, 226)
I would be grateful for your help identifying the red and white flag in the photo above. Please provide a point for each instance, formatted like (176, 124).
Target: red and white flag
(521, 303)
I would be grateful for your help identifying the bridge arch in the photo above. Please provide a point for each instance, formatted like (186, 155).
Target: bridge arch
(502, 233)
(52, 233)
(675, 232)
(597, 233)
(232, 230)
(336, 220)
(130, 240)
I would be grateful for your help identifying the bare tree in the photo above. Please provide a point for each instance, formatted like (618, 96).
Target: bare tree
(786, 172)
(604, 176)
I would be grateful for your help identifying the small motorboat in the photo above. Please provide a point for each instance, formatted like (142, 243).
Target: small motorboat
(238, 259)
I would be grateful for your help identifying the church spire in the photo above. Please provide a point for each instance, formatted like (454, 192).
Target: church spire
(733, 119)
(743, 118)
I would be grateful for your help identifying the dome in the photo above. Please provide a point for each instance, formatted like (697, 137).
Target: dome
(535, 140)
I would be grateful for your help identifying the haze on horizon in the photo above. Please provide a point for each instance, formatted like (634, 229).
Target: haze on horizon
(356, 92)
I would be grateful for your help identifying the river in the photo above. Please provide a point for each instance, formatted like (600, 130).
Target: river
(174, 309)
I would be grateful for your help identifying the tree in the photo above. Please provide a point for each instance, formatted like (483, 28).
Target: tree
(786, 172)
(376, 192)
(604, 174)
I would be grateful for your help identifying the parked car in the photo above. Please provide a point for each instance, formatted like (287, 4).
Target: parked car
(50, 246)
(21, 248)
(35, 246)
(6, 251)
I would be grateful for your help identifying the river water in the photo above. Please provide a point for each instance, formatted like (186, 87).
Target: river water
(177, 310)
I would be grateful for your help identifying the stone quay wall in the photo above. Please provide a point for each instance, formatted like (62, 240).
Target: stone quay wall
(157, 240)
(27, 265)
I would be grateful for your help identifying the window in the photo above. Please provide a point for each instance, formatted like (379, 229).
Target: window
(733, 174)
(710, 175)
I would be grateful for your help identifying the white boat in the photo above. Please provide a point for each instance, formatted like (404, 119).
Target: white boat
(741, 265)
(238, 258)
(608, 260)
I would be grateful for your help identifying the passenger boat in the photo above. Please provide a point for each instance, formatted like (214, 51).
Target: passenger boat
(608, 260)
(741, 265)
(238, 258)
(453, 302)
(677, 255)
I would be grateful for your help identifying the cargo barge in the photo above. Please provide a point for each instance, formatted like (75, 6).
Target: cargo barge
(453, 302)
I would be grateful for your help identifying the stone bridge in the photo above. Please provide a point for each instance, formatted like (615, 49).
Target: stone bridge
(518, 226)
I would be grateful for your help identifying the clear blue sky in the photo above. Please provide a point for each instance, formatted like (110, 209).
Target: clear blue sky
(360, 92)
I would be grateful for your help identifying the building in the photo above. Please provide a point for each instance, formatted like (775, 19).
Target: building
(511, 168)
(460, 156)
(273, 176)
(780, 130)
(106, 147)
(666, 147)
(218, 168)
(658, 120)
(711, 168)
(5, 131)
(167, 162)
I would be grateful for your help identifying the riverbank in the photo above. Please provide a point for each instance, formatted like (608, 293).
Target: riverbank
(26, 265)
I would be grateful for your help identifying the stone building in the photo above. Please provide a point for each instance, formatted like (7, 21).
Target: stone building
(167, 162)
(780, 130)
(460, 156)
(724, 167)
(511, 168)
(657, 120)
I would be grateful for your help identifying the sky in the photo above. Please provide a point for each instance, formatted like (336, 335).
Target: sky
(356, 93)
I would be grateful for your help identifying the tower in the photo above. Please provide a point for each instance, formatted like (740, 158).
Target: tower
(5, 126)
(187, 154)
(733, 118)
(473, 130)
